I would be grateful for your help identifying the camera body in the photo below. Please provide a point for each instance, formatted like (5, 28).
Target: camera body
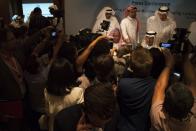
(179, 42)
(81, 42)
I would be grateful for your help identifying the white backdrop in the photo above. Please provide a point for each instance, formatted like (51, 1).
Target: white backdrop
(82, 13)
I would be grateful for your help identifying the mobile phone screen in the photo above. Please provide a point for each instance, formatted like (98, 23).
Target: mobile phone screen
(166, 45)
(53, 34)
(177, 74)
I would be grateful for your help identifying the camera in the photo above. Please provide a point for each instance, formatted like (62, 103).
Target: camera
(179, 42)
(53, 34)
(83, 38)
(105, 25)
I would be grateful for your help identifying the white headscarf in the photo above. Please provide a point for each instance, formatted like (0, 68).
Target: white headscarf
(101, 14)
(169, 14)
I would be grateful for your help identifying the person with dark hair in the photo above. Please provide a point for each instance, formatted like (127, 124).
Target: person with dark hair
(135, 92)
(178, 101)
(104, 69)
(37, 21)
(68, 51)
(61, 91)
(97, 47)
(171, 105)
(106, 21)
(141, 62)
(158, 62)
(94, 114)
(57, 19)
(97, 61)
(12, 85)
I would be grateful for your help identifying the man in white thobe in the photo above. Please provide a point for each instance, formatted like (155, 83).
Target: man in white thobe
(130, 27)
(106, 14)
(162, 24)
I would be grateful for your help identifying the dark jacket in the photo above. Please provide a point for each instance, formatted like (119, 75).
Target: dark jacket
(9, 88)
(134, 98)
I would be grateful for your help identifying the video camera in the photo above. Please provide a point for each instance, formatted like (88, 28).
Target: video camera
(179, 42)
(84, 38)
(81, 42)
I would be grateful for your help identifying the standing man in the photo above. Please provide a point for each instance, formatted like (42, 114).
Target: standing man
(161, 23)
(106, 21)
(57, 20)
(130, 26)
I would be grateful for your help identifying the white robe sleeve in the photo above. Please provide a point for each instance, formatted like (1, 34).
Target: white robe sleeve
(96, 26)
(170, 28)
(117, 25)
(124, 29)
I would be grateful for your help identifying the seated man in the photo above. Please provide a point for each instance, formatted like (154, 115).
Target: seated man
(149, 40)
(94, 114)
(107, 14)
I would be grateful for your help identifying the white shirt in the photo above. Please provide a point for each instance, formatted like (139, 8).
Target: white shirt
(164, 29)
(54, 104)
(129, 29)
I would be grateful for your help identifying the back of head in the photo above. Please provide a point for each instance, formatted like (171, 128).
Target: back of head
(68, 51)
(37, 21)
(141, 62)
(60, 77)
(99, 100)
(104, 67)
(178, 101)
(37, 11)
(103, 46)
(158, 62)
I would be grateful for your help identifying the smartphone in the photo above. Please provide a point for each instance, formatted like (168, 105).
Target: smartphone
(177, 74)
(53, 34)
(166, 45)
